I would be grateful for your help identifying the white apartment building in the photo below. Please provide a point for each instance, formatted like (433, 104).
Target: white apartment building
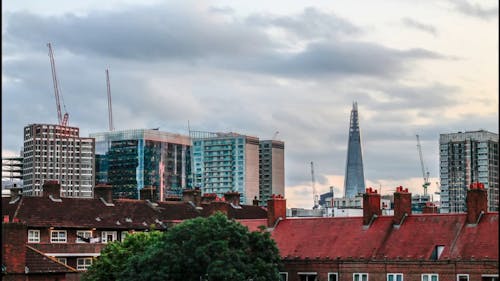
(54, 152)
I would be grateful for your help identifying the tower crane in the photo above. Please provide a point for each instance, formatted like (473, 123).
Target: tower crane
(315, 194)
(63, 120)
(425, 173)
(110, 110)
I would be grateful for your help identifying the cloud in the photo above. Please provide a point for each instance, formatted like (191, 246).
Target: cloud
(409, 22)
(476, 10)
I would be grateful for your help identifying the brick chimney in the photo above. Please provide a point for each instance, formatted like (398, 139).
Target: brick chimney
(52, 187)
(219, 205)
(232, 197)
(207, 198)
(255, 201)
(276, 209)
(104, 191)
(477, 202)
(402, 204)
(148, 193)
(193, 195)
(430, 208)
(14, 238)
(371, 205)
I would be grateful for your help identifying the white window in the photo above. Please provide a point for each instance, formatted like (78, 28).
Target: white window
(430, 277)
(108, 236)
(62, 260)
(360, 276)
(308, 276)
(33, 236)
(283, 276)
(83, 263)
(394, 276)
(58, 236)
(83, 236)
(333, 276)
(123, 235)
(462, 277)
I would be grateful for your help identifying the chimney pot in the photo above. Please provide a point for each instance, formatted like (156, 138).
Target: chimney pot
(477, 202)
(51, 187)
(276, 208)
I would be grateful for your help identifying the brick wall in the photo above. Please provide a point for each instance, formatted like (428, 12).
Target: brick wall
(14, 239)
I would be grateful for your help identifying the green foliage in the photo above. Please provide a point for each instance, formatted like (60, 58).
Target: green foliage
(115, 256)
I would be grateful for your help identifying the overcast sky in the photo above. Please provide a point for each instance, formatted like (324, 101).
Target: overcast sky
(257, 67)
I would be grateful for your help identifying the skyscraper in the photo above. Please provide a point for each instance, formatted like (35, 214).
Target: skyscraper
(467, 157)
(225, 162)
(54, 152)
(271, 169)
(132, 160)
(354, 181)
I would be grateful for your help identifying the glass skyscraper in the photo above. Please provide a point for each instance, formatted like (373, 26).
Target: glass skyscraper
(354, 182)
(135, 159)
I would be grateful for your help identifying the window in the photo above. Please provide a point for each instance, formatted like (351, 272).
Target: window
(108, 236)
(124, 234)
(283, 276)
(33, 236)
(333, 276)
(308, 276)
(83, 263)
(430, 277)
(83, 236)
(360, 276)
(489, 277)
(62, 260)
(58, 236)
(394, 276)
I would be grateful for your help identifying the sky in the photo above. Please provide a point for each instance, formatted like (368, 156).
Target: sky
(261, 67)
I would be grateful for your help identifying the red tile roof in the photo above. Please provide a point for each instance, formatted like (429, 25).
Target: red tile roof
(416, 238)
(37, 262)
(253, 224)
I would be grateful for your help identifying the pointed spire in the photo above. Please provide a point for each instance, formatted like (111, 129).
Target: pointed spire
(354, 181)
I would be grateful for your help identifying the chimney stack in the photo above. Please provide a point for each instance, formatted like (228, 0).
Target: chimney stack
(402, 204)
(14, 239)
(232, 197)
(207, 198)
(52, 187)
(193, 195)
(371, 205)
(276, 209)
(104, 191)
(148, 193)
(477, 202)
(430, 208)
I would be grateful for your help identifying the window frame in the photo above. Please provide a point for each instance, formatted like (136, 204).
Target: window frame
(336, 274)
(104, 238)
(360, 275)
(62, 260)
(309, 274)
(78, 240)
(85, 266)
(30, 239)
(462, 275)
(395, 274)
(285, 274)
(429, 275)
(58, 240)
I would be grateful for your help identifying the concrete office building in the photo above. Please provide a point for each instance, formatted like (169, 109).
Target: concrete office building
(54, 152)
(224, 162)
(465, 158)
(271, 169)
(133, 161)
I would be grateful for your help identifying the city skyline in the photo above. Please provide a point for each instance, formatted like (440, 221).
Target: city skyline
(414, 68)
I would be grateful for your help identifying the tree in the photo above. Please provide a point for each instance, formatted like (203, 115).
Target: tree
(115, 256)
(213, 248)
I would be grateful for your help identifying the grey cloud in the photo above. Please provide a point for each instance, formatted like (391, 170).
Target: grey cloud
(476, 10)
(409, 22)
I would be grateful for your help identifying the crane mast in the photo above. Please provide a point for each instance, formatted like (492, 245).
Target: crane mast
(63, 121)
(315, 194)
(425, 174)
(110, 110)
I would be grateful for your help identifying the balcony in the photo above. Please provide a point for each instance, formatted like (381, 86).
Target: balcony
(69, 248)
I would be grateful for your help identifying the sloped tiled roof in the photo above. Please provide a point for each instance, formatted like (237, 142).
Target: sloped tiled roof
(37, 262)
(416, 238)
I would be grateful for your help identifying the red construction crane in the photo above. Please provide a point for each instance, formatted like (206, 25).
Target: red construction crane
(110, 110)
(63, 121)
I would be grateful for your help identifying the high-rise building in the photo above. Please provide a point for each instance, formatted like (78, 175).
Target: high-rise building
(467, 157)
(354, 182)
(224, 162)
(132, 160)
(54, 152)
(271, 169)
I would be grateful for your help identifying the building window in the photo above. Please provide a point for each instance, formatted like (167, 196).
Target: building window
(394, 276)
(62, 260)
(283, 276)
(58, 236)
(83, 236)
(83, 263)
(489, 277)
(33, 236)
(108, 236)
(430, 277)
(333, 276)
(462, 277)
(360, 276)
(308, 276)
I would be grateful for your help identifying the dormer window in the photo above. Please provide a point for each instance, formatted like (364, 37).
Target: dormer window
(436, 253)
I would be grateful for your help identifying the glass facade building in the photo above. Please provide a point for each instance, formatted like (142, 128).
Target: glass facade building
(467, 157)
(354, 182)
(132, 160)
(224, 162)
